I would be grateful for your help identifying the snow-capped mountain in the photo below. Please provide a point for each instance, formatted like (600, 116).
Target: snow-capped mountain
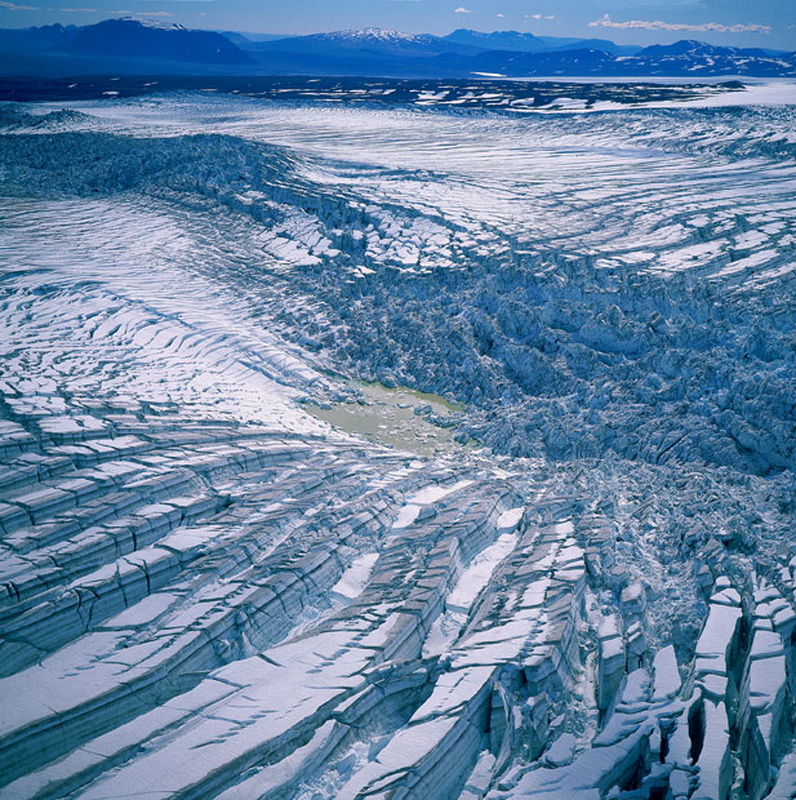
(680, 59)
(129, 38)
(146, 48)
(511, 54)
(368, 41)
(365, 36)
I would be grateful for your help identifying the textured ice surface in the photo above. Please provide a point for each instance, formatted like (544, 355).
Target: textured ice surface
(209, 592)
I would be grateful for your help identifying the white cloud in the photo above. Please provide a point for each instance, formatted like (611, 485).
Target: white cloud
(541, 16)
(656, 25)
(501, 15)
(462, 10)
(15, 7)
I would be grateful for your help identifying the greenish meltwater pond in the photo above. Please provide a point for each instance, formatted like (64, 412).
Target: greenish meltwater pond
(399, 417)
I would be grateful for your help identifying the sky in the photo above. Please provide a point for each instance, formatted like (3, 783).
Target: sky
(744, 23)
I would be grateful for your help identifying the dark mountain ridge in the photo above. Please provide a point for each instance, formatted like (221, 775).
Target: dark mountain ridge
(119, 38)
(128, 46)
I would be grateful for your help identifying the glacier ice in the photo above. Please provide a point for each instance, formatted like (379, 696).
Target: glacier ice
(583, 587)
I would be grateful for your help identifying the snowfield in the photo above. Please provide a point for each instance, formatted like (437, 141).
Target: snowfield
(360, 452)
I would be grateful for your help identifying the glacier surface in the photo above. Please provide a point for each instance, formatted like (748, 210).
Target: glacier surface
(359, 452)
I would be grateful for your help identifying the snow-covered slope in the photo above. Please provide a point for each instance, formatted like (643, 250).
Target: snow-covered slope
(209, 592)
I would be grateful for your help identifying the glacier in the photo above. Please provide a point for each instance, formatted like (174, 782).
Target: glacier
(354, 451)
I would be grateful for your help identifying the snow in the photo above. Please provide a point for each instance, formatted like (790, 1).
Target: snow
(511, 518)
(718, 632)
(433, 494)
(477, 575)
(407, 515)
(667, 676)
(356, 576)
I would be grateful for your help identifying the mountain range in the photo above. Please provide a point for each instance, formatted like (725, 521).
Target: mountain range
(130, 46)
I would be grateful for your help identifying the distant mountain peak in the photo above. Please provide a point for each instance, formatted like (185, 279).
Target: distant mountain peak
(494, 39)
(370, 51)
(380, 35)
(133, 38)
(154, 24)
(363, 41)
(688, 47)
(484, 34)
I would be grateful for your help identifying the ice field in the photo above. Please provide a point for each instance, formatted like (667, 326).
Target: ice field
(396, 452)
